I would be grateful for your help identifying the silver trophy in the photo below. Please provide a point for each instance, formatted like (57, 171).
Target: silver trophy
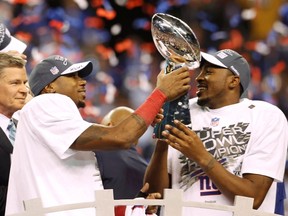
(177, 43)
(175, 40)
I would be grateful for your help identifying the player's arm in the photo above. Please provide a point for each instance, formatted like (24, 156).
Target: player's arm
(123, 135)
(157, 172)
(250, 185)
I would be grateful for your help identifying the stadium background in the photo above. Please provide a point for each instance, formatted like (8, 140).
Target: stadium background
(116, 37)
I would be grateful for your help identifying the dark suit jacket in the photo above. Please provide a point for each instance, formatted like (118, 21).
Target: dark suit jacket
(123, 171)
(6, 149)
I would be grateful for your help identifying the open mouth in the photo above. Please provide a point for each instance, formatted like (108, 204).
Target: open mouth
(201, 88)
(82, 92)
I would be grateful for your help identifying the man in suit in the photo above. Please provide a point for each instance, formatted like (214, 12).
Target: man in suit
(13, 92)
(121, 170)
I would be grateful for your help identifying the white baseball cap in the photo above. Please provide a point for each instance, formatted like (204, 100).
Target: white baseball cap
(8, 42)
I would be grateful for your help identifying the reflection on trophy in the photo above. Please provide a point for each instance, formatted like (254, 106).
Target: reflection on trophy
(178, 44)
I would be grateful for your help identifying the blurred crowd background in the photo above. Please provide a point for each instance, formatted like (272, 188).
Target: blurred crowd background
(115, 35)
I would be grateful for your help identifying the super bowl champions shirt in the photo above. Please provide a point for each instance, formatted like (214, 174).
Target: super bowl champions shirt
(247, 137)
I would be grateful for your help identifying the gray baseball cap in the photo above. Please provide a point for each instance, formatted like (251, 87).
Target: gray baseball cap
(53, 67)
(233, 61)
(8, 42)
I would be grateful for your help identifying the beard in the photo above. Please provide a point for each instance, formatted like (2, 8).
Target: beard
(81, 104)
(202, 102)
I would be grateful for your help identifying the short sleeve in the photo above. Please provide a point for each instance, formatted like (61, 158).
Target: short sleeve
(55, 121)
(266, 152)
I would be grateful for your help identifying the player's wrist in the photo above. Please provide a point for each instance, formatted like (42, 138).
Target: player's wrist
(149, 109)
(208, 165)
(159, 93)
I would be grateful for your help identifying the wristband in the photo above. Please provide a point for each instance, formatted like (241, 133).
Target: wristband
(149, 109)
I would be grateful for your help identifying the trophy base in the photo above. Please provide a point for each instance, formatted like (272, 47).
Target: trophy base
(177, 109)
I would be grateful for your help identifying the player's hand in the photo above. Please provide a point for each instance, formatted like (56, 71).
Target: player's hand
(174, 84)
(143, 193)
(186, 141)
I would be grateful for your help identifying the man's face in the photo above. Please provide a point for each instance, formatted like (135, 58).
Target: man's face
(213, 86)
(72, 86)
(13, 90)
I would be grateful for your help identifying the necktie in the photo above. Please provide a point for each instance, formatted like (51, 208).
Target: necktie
(12, 131)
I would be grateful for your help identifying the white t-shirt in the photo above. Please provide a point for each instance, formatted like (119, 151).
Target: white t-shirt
(43, 165)
(247, 137)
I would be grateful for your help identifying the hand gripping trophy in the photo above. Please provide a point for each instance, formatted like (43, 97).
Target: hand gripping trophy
(177, 43)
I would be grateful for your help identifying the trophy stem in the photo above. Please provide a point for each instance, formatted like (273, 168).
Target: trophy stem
(176, 109)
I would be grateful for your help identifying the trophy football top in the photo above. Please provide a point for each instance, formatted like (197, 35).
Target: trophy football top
(175, 40)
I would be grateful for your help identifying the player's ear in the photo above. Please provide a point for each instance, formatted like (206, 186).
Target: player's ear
(48, 89)
(235, 81)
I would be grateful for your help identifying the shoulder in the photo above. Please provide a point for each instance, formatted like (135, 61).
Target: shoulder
(50, 97)
(261, 106)
(265, 112)
(49, 104)
(47, 100)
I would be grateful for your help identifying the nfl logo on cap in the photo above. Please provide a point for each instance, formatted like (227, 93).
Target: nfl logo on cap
(54, 70)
